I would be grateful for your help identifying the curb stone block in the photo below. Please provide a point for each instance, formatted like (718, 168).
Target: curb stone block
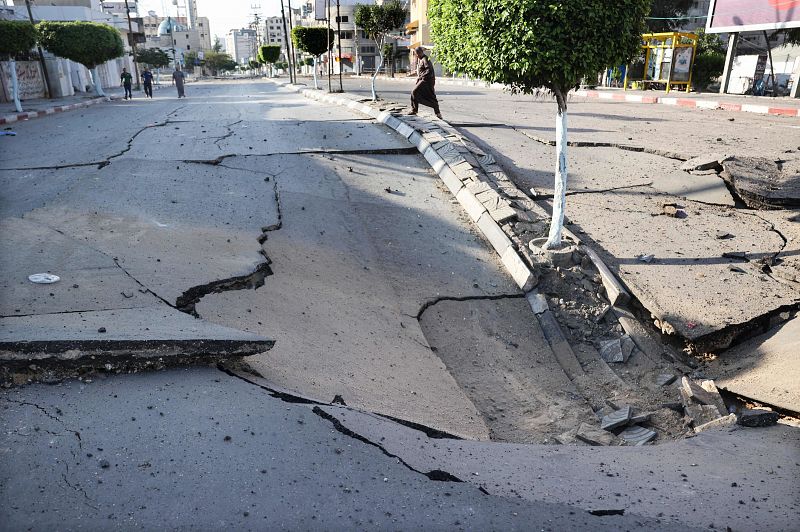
(473, 207)
(432, 156)
(419, 141)
(405, 130)
(450, 180)
(497, 238)
(519, 271)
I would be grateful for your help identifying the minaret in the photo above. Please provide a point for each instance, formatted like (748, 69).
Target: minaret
(191, 13)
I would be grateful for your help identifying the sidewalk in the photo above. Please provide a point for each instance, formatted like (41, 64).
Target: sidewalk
(40, 107)
(730, 102)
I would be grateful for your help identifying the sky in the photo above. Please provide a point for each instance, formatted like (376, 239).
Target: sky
(224, 15)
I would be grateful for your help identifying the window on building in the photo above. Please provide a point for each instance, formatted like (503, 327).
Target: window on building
(344, 18)
(346, 34)
(188, 46)
(367, 49)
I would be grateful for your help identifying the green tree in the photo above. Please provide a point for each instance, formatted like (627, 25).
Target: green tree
(190, 59)
(218, 61)
(16, 37)
(709, 60)
(87, 43)
(531, 45)
(153, 57)
(378, 21)
(217, 47)
(313, 40)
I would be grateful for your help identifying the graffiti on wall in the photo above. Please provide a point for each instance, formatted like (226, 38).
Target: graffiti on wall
(29, 77)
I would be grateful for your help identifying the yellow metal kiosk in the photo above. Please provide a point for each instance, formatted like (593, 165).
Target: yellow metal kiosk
(668, 60)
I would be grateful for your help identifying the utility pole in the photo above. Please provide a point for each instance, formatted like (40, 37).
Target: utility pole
(132, 42)
(286, 40)
(330, 55)
(357, 64)
(339, 37)
(293, 63)
(41, 55)
(172, 41)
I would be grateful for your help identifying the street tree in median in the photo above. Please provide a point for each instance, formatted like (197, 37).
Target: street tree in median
(16, 37)
(87, 43)
(218, 61)
(269, 54)
(154, 58)
(313, 40)
(536, 45)
(378, 21)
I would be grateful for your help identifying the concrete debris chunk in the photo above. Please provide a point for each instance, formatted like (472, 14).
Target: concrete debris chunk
(757, 417)
(698, 394)
(594, 436)
(722, 422)
(627, 347)
(702, 414)
(611, 351)
(665, 379)
(711, 388)
(616, 419)
(641, 417)
(636, 435)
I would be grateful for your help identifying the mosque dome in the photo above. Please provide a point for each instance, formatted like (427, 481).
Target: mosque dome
(170, 26)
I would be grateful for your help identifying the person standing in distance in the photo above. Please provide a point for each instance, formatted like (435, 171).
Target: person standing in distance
(424, 92)
(178, 78)
(147, 81)
(126, 79)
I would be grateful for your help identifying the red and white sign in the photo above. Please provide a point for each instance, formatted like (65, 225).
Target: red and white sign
(725, 16)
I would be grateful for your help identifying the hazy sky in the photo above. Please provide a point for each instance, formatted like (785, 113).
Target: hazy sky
(223, 14)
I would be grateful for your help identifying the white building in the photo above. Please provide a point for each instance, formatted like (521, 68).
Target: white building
(242, 45)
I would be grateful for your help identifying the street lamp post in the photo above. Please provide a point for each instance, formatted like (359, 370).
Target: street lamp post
(286, 38)
(132, 42)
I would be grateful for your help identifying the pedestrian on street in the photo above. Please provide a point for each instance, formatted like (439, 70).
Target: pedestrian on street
(424, 92)
(147, 80)
(177, 78)
(126, 79)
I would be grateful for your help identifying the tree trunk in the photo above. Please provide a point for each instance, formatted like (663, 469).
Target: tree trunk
(559, 196)
(377, 69)
(316, 86)
(98, 87)
(12, 67)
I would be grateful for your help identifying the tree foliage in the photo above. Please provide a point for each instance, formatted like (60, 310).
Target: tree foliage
(217, 47)
(87, 43)
(665, 15)
(16, 36)
(709, 61)
(530, 44)
(378, 21)
(314, 40)
(269, 53)
(219, 61)
(153, 57)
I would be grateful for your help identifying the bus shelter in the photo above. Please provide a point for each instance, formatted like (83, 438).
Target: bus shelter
(668, 60)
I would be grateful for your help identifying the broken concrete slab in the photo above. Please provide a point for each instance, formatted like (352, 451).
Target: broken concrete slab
(765, 368)
(636, 435)
(761, 184)
(757, 417)
(701, 414)
(611, 351)
(595, 436)
(695, 392)
(136, 334)
(720, 423)
(711, 388)
(665, 379)
(627, 347)
(616, 419)
(707, 161)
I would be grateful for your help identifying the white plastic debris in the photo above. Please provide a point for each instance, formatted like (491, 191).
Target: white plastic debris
(44, 278)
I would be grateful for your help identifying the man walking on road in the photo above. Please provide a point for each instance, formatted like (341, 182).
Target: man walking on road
(126, 79)
(177, 78)
(147, 80)
(423, 92)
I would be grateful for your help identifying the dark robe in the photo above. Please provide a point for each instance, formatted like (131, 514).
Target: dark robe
(423, 92)
(178, 77)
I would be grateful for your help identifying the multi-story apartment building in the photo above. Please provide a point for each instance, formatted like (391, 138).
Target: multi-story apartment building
(242, 45)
